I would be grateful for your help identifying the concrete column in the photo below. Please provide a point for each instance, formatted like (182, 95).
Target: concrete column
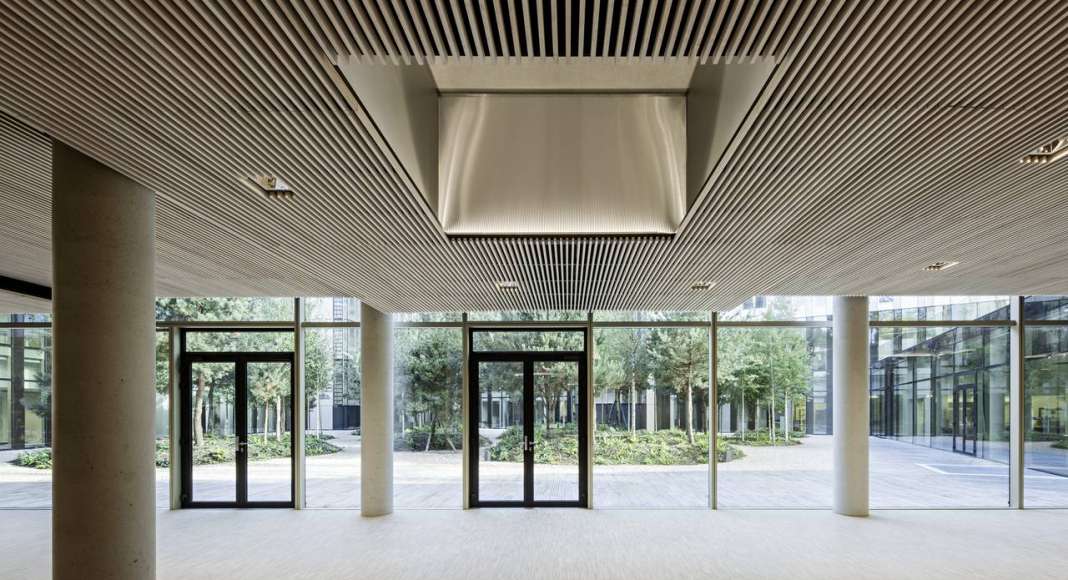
(376, 409)
(851, 405)
(103, 261)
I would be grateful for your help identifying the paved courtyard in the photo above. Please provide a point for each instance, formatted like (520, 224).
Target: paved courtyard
(902, 476)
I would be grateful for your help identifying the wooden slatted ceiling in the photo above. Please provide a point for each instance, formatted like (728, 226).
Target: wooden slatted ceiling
(887, 139)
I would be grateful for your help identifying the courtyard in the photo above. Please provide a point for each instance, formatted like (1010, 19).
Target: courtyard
(902, 476)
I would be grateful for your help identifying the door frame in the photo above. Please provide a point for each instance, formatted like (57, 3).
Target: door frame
(240, 361)
(528, 358)
(962, 411)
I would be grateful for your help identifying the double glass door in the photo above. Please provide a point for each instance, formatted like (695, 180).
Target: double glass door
(528, 423)
(236, 434)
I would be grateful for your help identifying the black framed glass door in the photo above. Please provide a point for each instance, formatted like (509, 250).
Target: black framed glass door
(236, 439)
(965, 419)
(528, 424)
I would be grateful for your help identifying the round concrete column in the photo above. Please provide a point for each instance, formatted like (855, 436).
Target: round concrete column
(376, 412)
(103, 403)
(851, 398)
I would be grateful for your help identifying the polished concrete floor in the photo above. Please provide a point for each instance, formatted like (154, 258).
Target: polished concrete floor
(564, 544)
(902, 476)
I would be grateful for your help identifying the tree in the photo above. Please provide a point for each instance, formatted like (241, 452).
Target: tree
(623, 362)
(318, 369)
(427, 366)
(680, 363)
(217, 379)
(769, 366)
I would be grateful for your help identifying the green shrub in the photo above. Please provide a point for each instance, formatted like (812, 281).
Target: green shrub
(1062, 444)
(415, 439)
(221, 449)
(560, 447)
(35, 459)
(762, 438)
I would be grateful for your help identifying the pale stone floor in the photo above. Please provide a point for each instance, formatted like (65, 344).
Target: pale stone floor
(902, 476)
(566, 544)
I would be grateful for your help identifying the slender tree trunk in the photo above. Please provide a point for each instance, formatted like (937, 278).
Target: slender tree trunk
(277, 419)
(771, 416)
(198, 410)
(788, 425)
(633, 395)
(689, 411)
(266, 418)
(433, 428)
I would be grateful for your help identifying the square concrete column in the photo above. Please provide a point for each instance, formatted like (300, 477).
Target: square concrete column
(376, 412)
(851, 409)
(104, 400)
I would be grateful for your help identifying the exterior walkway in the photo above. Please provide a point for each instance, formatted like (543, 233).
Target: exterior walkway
(565, 544)
(902, 476)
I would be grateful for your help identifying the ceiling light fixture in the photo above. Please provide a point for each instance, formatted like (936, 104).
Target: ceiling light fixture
(1047, 153)
(702, 285)
(939, 266)
(508, 285)
(272, 186)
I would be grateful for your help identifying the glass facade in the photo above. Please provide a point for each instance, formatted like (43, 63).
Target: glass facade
(774, 417)
(940, 401)
(944, 390)
(651, 405)
(332, 417)
(428, 417)
(1046, 413)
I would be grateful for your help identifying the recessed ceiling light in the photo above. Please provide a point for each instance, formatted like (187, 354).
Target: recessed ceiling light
(272, 186)
(508, 285)
(939, 266)
(1047, 153)
(702, 285)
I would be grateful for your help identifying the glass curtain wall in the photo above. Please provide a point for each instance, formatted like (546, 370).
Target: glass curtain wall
(25, 415)
(332, 417)
(428, 421)
(939, 416)
(774, 421)
(651, 397)
(1046, 402)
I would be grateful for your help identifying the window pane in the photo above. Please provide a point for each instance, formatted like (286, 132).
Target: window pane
(332, 417)
(774, 417)
(538, 315)
(25, 417)
(651, 401)
(214, 434)
(403, 317)
(224, 309)
(331, 309)
(939, 417)
(428, 422)
(536, 340)
(912, 308)
(1046, 308)
(163, 420)
(782, 308)
(239, 341)
(1046, 408)
(649, 316)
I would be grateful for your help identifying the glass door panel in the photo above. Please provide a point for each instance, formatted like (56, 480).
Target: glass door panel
(214, 436)
(502, 438)
(556, 431)
(269, 444)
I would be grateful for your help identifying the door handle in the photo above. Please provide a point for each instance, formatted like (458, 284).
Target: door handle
(241, 445)
(528, 445)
